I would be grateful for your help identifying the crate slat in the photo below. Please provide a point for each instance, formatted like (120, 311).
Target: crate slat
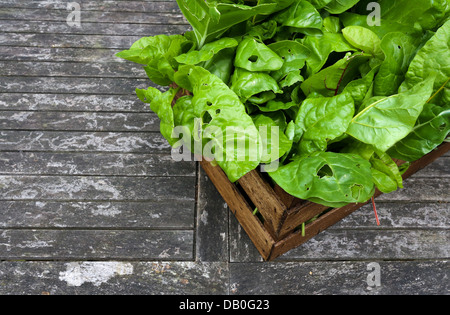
(266, 200)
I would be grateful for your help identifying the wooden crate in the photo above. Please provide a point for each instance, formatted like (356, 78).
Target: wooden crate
(278, 231)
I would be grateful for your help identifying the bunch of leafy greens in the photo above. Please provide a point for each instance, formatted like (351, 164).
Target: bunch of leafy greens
(351, 85)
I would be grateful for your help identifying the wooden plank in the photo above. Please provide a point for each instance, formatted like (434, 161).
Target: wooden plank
(212, 222)
(90, 188)
(387, 244)
(163, 6)
(79, 121)
(95, 244)
(88, 28)
(61, 141)
(102, 16)
(266, 200)
(421, 189)
(339, 278)
(113, 278)
(73, 69)
(399, 215)
(54, 54)
(70, 102)
(439, 168)
(240, 208)
(68, 40)
(93, 164)
(241, 246)
(166, 214)
(73, 86)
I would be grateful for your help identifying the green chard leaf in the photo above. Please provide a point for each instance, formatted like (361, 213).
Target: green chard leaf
(294, 55)
(222, 64)
(271, 127)
(332, 80)
(385, 172)
(432, 128)
(319, 4)
(302, 17)
(211, 19)
(321, 88)
(247, 84)
(421, 14)
(386, 120)
(161, 104)
(433, 59)
(255, 56)
(327, 178)
(399, 50)
(158, 53)
(382, 28)
(321, 47)
(340, 6)
(364, 39)
(225, 122)
(207, 52)
(321, 120)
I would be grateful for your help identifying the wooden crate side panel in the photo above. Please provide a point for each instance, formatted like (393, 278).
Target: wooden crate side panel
(300, 214)
(259, 235)
(265, 199)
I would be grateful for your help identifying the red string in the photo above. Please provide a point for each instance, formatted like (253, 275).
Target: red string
(375, 210)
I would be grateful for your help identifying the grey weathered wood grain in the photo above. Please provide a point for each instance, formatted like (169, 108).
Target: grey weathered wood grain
(53, 54)
(96, 244)
(73, 69)
(98, 164)
(312, 278)
(212, 222)
(113, 278)
(68, 40)
(163, 6)
(392, 244)
(167, 214)
(59, 141)
(399, 215)
(356, 234)
(107, 86)
(89, 28)
(70, 102)
(422, 189)
(96, 188)
(79, 121)
(100, 16)
(439, 168)
(241, 246)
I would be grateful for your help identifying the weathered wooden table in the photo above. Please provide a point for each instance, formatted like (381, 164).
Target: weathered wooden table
(91, 202)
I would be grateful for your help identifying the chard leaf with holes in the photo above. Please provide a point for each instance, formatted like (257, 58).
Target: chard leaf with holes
(255, 56)
(331, 179)
(224, 121)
